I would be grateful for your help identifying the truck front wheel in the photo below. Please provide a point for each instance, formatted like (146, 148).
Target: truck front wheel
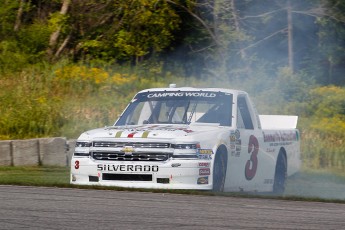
(219, 170)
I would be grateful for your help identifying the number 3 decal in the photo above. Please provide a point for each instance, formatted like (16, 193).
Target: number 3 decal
(76, 164)
(252, 163)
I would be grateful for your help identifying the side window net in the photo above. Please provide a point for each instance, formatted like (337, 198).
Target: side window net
(244, 119)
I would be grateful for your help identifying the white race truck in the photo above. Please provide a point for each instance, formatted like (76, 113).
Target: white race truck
(190, 138)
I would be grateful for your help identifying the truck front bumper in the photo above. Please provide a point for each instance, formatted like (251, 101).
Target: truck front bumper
(171, 174)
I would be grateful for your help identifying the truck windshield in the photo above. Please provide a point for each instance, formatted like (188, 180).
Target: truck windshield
(178, 107)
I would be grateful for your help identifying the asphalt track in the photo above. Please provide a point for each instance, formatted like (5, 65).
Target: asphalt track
(67, 208)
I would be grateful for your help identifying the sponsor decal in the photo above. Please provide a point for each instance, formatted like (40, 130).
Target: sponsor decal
(206, 151)
(204, 171)
(237, 134)
(202, 180)
(235, 143)
(174, 165)
(204, 164)
(205, 157)
(280, 136)
(181, 94)
(270, 150)
(238, 149)
(272, 144)
(127, 168)
(205, 154)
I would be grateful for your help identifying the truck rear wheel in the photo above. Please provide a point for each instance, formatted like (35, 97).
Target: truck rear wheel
(219, 170)
(280, 175)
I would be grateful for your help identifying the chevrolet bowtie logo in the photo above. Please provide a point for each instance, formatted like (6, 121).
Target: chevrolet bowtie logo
(128, 150)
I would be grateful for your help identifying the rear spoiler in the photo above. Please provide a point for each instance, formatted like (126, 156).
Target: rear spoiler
(278, 121)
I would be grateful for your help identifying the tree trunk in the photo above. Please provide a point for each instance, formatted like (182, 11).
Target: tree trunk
(19, 16)
(62, 46)
(55, 35)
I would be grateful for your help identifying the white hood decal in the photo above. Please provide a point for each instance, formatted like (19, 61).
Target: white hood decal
(153, 131)
(149, 131)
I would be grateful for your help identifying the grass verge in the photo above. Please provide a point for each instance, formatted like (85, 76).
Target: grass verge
(34, 176)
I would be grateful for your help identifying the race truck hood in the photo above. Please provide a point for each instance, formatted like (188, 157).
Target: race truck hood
(149, 131)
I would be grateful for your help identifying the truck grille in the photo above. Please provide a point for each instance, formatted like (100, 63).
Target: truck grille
(121, 156)
(111, 144)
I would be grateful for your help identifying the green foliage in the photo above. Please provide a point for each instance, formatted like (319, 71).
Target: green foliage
(58, 21)
(29, 47)
(12, 58)
(7, 17)
(147, 26)
(34, 40)
(20, 48)
(322, 152)
(328, 101)
(324, 128)
(122, 30)
(94, 96)
(28, 107)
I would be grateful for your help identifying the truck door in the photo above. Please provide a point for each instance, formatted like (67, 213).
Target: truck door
(245, 147)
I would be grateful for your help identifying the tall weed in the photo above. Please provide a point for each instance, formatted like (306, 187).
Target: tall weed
(28, 108)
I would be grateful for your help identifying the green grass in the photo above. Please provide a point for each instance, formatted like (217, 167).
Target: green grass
(321, 186)
(35, 176)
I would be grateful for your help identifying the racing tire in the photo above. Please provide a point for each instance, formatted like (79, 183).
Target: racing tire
(280, 175)
(219, 170)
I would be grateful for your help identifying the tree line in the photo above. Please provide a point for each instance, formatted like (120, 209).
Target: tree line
(205, 38)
